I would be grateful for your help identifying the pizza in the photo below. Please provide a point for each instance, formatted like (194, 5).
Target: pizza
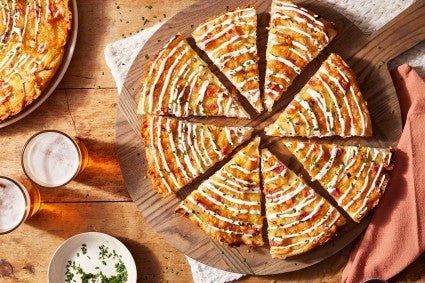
(33, 38)
(355, 176)
(296, 36)
(231, 202)
(178, 151)
(178, 82)
(329, 104)
(227, 206)
(230, 41)
(298, 218)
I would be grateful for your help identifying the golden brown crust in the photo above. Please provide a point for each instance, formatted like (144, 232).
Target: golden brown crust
(230, 40)
(355, 176)
(178, 82)
(296, 36)
(177, 152)
(298, 218)
(329, 104)
(32, 46)
(227, 206)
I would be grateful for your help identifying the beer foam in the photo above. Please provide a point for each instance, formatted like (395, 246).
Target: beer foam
(51, 159)
(12, 205)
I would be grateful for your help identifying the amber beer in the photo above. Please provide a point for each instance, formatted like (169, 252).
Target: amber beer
(17, 203)
(51, 158)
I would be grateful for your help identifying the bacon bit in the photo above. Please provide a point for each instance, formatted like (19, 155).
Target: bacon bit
(225, 150)
(375, 169)
(274, 243)
(274, 87)
(53, 10)
(344, 84)
(278, 169)
(213, 108)
(306, 193)
(336, 193)
(339, 152)
(250, 230)
(302, 215)
(210, 92)
(202, 204)
(6, 37)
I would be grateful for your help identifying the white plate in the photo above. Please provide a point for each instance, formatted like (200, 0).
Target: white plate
(83, 249)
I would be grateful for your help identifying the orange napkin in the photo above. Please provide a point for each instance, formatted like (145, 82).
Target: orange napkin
(395, 236)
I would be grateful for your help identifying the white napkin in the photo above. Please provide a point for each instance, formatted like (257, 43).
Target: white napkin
(369, 15)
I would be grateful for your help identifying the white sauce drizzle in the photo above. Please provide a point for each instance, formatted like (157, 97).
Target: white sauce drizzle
(174, 149)
(152, 146)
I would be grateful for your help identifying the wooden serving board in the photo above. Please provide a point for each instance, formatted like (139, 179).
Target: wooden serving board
(367, 56)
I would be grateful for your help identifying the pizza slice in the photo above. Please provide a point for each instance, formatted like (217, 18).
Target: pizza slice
(296, 37)
(355, 176)
(230, 41)
(178, 82)
(178, 151)
(227, 206)
(329, 104)
(298, 218)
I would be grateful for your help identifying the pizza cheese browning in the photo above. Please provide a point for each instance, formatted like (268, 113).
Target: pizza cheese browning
(329, 104)
(33, 36)
(355, 176)
(296, 37)
(178, 82)
(298, 218)
(230, 41)
(227, 206)
(177, 151)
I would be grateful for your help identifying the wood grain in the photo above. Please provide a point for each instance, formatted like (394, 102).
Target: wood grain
(366, 55)
(69, 219)
(99, 201)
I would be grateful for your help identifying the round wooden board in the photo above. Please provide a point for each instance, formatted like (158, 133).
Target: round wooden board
(376, 86)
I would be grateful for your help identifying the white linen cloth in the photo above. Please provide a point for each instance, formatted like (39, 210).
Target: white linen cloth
(368, 15)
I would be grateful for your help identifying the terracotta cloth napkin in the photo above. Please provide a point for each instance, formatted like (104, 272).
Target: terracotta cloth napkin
(395, 236)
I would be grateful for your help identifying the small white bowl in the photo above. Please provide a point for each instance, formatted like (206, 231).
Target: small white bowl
(83, 249)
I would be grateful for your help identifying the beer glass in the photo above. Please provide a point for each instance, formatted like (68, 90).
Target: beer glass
(51, 158)
(17, 203)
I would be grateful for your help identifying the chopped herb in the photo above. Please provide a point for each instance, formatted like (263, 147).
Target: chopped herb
(75, 272)
(149, 7)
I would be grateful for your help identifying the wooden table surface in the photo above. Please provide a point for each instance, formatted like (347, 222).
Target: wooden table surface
(85, 105)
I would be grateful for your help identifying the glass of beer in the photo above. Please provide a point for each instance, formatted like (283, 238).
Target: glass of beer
(51, 158)
(17, 203)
